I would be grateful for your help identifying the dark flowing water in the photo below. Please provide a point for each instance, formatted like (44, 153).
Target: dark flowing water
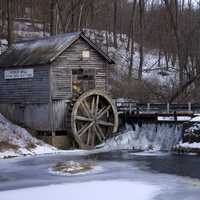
(169, 163)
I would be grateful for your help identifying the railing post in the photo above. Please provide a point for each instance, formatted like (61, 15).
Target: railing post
(189, 107)
(168, 107)
(130, 108)
(148, 107)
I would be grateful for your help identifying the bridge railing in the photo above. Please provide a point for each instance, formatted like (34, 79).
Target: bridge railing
(133, 107)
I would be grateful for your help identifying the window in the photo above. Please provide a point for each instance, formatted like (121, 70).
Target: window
(85, 54)
(83, 80)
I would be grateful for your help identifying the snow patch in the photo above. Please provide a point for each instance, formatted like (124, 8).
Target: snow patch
(194, 145)
(195, 119)
(98, 190)
(150, 153)
(173, 118)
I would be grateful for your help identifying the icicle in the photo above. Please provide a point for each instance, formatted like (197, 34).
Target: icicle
(148, 137)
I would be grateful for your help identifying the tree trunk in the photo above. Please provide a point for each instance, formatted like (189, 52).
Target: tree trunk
(130, 70)
(130, 33)
(10, 37)
(52, 17)
(72, 16)
(80, 15)
(141, 28)
(179, 46)
(115, 23)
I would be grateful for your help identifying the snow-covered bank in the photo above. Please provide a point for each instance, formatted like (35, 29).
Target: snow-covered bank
(188, 148)
(98, 190)
(194, 145)
(191, 137)
(16, 141)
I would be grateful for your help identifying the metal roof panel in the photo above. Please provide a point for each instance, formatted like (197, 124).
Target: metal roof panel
(36, 52)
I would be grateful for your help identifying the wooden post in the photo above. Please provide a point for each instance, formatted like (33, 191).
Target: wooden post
(168, 107)
(51, 110)
(189, 106)
(130, 108)
(148, 107)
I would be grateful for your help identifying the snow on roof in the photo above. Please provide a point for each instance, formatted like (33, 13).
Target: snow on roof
(41, 51)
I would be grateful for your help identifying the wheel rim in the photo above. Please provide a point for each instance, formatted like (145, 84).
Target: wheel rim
(94, 118)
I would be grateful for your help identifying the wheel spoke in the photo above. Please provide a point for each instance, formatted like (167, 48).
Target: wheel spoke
(93, 105)
(100, 114)
(86, 108)
(93, 135)
(100, 131)
(82, 118)
(101, 110)
(98, 134)
(89, 137)
(104, 123)
(97, 105)
(82, 128)
(85, 128)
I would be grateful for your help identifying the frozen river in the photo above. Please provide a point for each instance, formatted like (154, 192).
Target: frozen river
(167, 176)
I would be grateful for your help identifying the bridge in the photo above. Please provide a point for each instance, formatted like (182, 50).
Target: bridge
(160, 112)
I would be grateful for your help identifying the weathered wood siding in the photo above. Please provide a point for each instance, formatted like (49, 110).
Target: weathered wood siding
(27, 90)
(38, 116)
(61, 81)
(34, 116)
(59, 116)
(72, 59)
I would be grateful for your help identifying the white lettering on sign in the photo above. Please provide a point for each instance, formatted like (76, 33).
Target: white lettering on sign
(18, 73)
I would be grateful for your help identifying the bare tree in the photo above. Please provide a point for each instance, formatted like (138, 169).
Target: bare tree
(132, 38)
(10, 36)
(173, 14)
(52, 17)
(115, 3)
(141, 45)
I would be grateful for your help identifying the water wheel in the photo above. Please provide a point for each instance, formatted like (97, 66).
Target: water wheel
(93, 119)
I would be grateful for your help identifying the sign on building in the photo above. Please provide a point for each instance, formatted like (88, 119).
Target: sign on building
(18, 73)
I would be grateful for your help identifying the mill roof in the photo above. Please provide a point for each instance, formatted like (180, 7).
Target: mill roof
(44, 50)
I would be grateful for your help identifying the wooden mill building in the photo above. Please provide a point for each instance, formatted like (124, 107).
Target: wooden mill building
(39, 78)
